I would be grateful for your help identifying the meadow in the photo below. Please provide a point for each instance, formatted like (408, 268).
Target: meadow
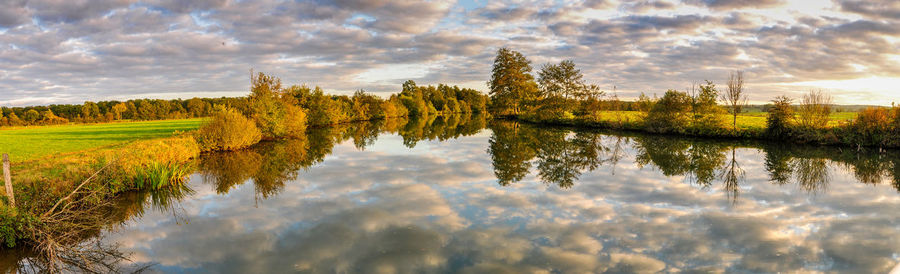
(36, 142)
(745, 121)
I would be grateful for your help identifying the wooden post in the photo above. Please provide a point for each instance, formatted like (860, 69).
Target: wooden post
(8, 181)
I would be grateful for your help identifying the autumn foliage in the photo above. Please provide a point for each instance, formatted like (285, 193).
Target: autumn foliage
(228, 130)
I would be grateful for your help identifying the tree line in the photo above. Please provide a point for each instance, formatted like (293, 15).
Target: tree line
(273, 111)
(108, 111)
(559, 94)
(323, 109)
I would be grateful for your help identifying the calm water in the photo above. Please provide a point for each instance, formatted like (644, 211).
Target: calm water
(465, 195)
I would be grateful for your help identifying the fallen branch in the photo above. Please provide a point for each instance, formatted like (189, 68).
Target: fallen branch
(76, 190)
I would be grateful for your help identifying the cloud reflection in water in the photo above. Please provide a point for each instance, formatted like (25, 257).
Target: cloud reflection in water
(438, 206)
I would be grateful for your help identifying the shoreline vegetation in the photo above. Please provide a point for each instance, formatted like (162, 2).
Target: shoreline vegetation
(61, 199)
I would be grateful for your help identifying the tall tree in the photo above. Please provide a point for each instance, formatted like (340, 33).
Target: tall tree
(561, 79)
(735, 97)
(90, 110)
(267, 110)
(118, 109)
(512, 84)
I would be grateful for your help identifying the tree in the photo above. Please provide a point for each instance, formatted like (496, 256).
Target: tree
(561, 79)
(735, 97)
(707, 114)
(118, 109)
(89, 110)
(51, 119)
(409, 87)
(814, 109)
(14, 120)
(266, 108)
(511, 84)
(31, 116)
(644, 103)
(197, 107)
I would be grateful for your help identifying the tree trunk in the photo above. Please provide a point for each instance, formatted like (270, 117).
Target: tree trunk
(734, 122)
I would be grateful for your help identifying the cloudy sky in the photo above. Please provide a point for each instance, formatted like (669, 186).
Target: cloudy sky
(68, 51)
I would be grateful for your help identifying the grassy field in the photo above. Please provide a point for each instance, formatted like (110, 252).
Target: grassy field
(31, 143)
(749, 120)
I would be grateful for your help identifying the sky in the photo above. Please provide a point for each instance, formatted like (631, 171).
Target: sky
(70, 51)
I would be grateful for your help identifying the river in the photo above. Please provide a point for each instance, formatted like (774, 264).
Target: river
(461, 194)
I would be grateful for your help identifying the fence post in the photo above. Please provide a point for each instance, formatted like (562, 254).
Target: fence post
(8, 181)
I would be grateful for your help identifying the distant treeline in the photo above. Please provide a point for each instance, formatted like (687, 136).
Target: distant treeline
(324, 109)
(107, 111)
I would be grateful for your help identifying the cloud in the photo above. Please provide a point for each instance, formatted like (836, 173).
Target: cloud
(71, 51)
(879, 9)
(739, 4)
(13, 13)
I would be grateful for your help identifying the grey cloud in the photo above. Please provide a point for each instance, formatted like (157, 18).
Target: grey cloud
(886, 9)
(73, 10)
(13, 13)
(646, 5)
(737, 4)
(188, 6)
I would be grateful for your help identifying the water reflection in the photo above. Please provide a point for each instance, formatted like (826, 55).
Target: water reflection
(447, 195)
(560, 156)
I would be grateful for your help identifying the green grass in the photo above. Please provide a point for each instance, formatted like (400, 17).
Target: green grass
(748, 120)
(31, 143)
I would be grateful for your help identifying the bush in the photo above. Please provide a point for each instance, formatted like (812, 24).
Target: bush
(779, 120)
(228, 130)
(815, 110)
(872, 127)
(671, 113)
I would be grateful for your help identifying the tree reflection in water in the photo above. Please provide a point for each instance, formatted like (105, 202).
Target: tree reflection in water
(555, 156)
(560, 156)
(270, 165)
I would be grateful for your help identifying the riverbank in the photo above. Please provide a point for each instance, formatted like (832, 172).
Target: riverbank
(836, 133)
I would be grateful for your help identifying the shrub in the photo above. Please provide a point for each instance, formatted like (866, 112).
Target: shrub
(872, 126)
(815, 109)
(779, 120)
(228, 130)
(552, 109)
(671, 113)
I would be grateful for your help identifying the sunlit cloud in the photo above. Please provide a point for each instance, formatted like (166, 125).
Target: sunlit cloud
(71, 51)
